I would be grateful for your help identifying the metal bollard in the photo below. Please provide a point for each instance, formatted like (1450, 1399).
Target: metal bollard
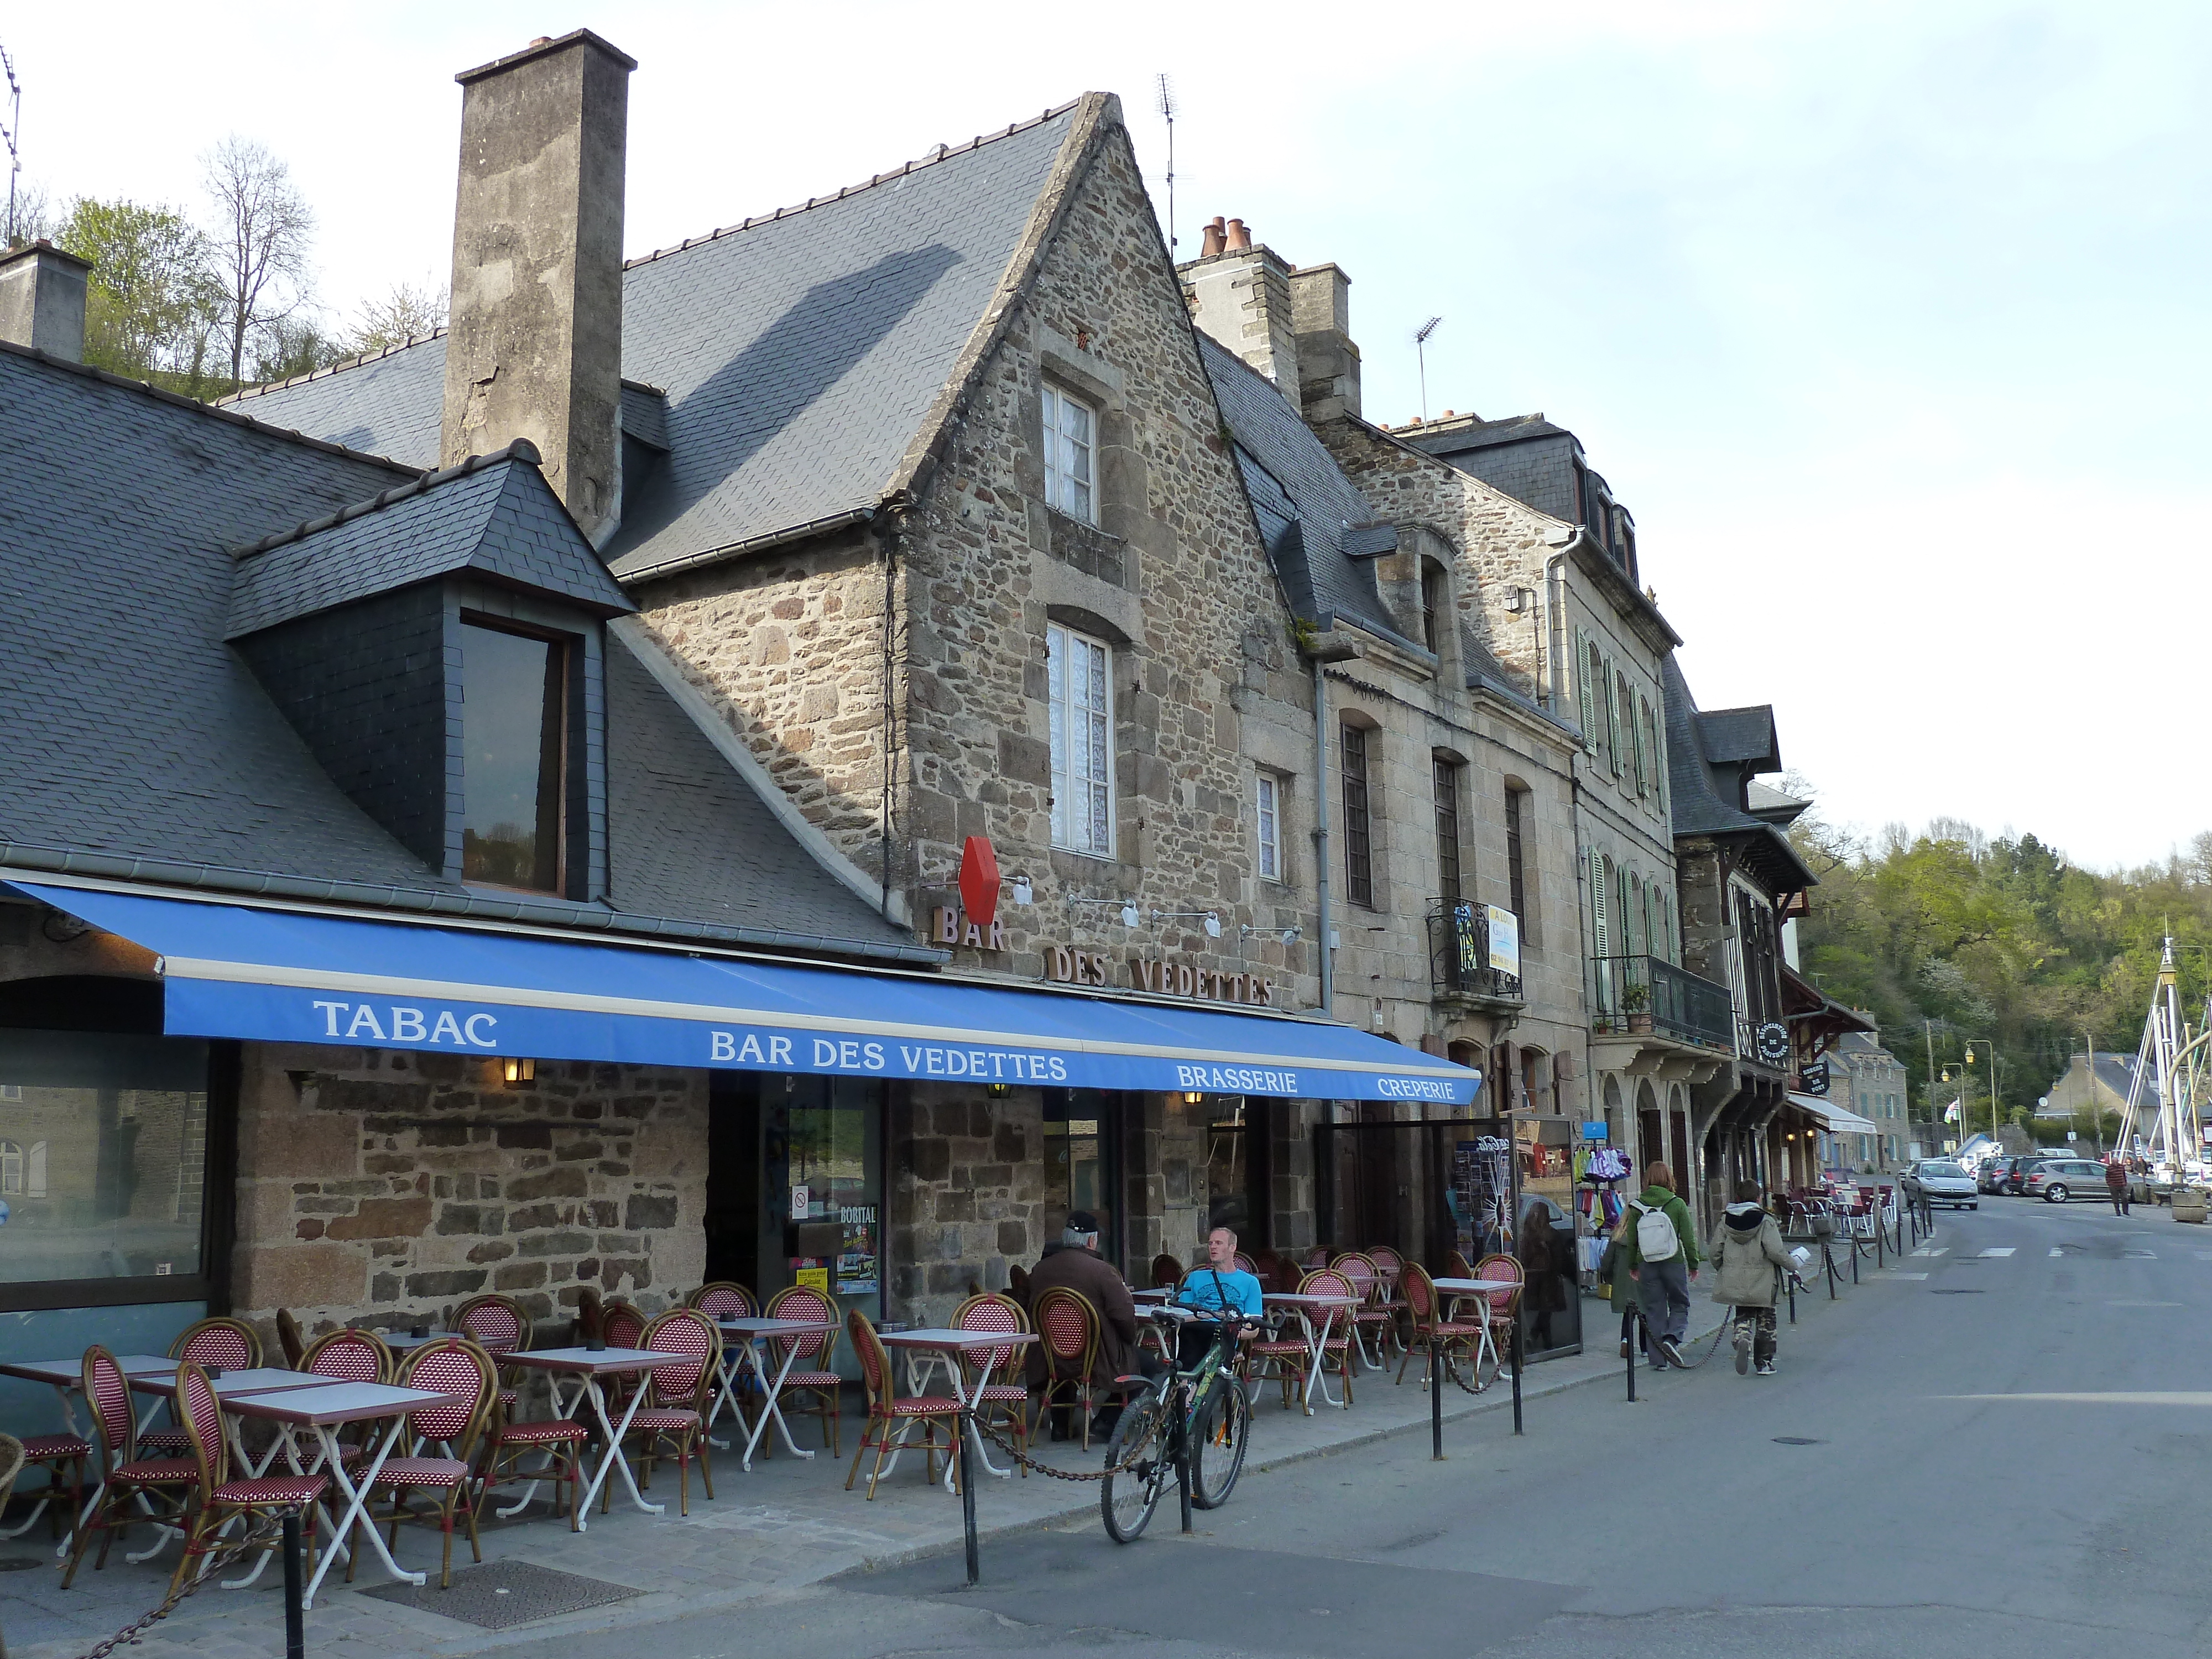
(1436, 1401)
(1828, 1266)
(296, 1633)
(1855, 1262)
(1183, 1454)
(1517, 1374)
(1635, 1342)
(1792, 1278)
(965, 1426)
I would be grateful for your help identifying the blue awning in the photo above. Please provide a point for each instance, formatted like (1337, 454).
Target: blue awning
(283, 975)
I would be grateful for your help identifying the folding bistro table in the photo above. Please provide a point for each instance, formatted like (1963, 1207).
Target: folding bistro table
(1484, 1288)
(921, 1348)
(1305, 1307)
(589, 1365)
(66, 1378)
(745, 1354)
(324, 1409)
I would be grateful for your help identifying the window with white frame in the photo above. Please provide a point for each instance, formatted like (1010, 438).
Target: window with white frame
(1080, 672)
(1070, 448)
(1268, 817)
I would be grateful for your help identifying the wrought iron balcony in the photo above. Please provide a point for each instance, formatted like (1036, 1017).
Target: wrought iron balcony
(1459, 954)
(1650, 993)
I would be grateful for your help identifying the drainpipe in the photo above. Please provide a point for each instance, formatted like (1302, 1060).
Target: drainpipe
(1555, 585)
(1322, 654)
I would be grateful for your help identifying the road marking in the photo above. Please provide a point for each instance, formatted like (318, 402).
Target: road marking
(2055, 1250)
(1945, 1250)
(1893, 1274)
(1996, 1250)
(2175, 1398)
(2143, 1304)
(2141, 1255)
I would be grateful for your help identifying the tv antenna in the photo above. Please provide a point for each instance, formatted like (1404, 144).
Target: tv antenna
(1421, 354)
(1168, 114)
(8, 133)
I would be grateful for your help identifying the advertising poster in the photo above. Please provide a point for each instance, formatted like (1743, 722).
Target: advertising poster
(1482, 1195)
(856, 1258)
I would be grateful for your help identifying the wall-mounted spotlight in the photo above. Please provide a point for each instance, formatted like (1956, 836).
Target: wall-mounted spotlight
(517, 1070)
(1210, 920)
(998, 1090)
(1021, 890)
(1191, 1098)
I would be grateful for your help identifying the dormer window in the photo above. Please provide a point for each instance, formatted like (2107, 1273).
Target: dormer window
(514, 728)
(1436, 605)
(1070, 474)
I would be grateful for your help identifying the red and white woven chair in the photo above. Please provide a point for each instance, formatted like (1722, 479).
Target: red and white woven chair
(132, 1488)
(1373, 1322)
(498, 1326)
(813, 1370)
(216, 1501)
(1068, 1330)
(1432, 1332)
(888, 1409)
(672, 1423)
(459, 1368)
(232, 1344)
(724, 1299)
(60, 1455)
(1005, 1403)
(1499, 1309)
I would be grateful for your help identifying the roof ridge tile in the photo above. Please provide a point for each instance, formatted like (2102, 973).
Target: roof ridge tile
(520, 450)
(329, 370)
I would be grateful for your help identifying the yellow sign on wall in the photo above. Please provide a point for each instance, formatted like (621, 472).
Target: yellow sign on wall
(814, 1279)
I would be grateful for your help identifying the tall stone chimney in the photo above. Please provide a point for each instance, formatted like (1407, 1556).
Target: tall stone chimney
(534, 349)
(1240, 296)
(42, 300)
(1328, 362)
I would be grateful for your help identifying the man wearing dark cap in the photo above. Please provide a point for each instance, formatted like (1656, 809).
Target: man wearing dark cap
(1075, 1263)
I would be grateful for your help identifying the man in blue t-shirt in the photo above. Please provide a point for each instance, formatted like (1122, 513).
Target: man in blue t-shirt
(1221, 1286)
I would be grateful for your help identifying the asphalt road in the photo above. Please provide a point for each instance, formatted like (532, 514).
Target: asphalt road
(2003, 1458)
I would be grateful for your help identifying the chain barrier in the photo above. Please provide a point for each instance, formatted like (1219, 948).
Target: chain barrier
(210, 1569)
(1028, 1463)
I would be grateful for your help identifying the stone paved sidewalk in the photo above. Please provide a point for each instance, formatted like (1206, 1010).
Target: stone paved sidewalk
(788, 1523)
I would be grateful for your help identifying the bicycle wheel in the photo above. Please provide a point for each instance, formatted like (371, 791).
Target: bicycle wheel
(1137, 1458)
(1219, 1437)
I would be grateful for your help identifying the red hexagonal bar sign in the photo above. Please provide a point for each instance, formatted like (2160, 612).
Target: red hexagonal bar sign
(978, 881)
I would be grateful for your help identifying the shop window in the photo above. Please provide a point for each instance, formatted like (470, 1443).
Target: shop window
(513, 701)
(1235, 1169)
(1082, 1170)
(103, 1149)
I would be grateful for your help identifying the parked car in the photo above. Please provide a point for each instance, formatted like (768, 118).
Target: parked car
(2055, 1180)
(1988, 1172)
(1936, 1180)
(2012, 1181)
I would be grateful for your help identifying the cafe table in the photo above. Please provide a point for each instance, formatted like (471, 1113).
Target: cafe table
(66, 1378)
(588, 1366)
(1315, 1332)
(948, 1347)
(1449, 1290)
(744, 1353)
(323, 1410)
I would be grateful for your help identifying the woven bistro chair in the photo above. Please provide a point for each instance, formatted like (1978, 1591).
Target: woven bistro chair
(1336, 1341)
(1067, 1324)
(724, 1299)
(889, 1409)
(1006, 1402)
(457, 1367)
(672, 1422)
(813, 1368)
(232, 1344)
(215, 1500)
(348, 1356)
(1245, 1264)
(1455, 1266)
(498, 1325)
(1167, 1272)
(1500, 1307)
(288, 1337)
(1018, 1283)
(621, 1324)
(1374, 1319)
(1432, 1332)
(62, 1457)
(125, 1478)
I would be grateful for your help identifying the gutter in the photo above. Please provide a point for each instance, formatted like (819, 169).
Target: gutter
(108, 870)
(798, 532)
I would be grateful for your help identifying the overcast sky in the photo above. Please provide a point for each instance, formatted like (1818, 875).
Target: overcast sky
(1886, 320)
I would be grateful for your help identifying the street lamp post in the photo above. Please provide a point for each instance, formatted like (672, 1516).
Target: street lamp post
(1962, 1105)
(1971, 1042)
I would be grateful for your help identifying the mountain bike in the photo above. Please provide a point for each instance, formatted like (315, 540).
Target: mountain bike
(1198, 1416)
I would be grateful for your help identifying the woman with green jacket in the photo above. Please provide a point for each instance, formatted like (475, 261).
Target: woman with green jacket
(1663, 1276)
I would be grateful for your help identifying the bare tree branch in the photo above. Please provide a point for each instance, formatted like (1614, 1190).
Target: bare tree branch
(398, 317)
(262, 231)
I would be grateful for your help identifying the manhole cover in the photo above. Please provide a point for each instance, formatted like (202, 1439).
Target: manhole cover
(1975, 1292)
(18, 1564)
(501, 1594)
(1797, 1440)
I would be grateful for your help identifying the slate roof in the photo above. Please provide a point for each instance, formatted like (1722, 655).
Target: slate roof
(1470, 432)
(1703, 787)
(140, 747)
(1292, 477)
(494, 516)
(799, 353)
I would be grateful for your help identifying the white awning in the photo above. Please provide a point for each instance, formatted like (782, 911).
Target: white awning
(1835, 1118)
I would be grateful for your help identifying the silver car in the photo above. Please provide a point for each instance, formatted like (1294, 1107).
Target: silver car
(1936, 1180)
(2055, 1180)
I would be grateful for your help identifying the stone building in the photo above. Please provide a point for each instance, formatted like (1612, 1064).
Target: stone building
(920, 492)
(1507, 518)
(1740, 878)
(1867, 1080)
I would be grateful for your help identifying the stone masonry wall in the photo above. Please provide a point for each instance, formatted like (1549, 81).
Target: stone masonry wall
(381, 1183)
